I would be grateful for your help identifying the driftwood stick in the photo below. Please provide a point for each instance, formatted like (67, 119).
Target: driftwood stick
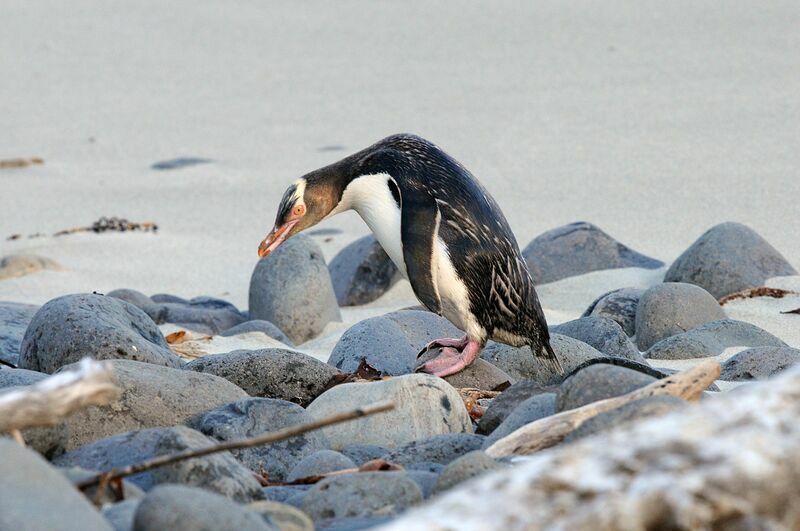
(238, 444)
(48, 402)
(7, 363)
(549, 431)
(732, 462)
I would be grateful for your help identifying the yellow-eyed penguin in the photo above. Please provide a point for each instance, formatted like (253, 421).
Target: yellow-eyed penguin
(444, 232)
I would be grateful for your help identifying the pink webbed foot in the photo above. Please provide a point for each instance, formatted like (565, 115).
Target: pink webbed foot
(451, 360)
(441, 343)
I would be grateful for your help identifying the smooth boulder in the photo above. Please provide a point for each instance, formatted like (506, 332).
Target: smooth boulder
(424, 406)
(35, 496)
(361, 272)
(759, 363)
(504, 403)
(291, 288)
(152, 396)
(651, 406)
(727, 258)
(598, 382)
(529, 410)
(618, 305)
(439, 449)
(14, 320)
(270, 373)
(254, 416)
(673, 308)
(319, 463)
(390, 343)
(466, 467)
(180, 508)
(711, 339)
(579, 248)
(601, 333)
(218, 472)
(258, 325)
(362, 494)
(72, 327)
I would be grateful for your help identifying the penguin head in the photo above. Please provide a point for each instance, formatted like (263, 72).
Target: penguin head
(304, 204)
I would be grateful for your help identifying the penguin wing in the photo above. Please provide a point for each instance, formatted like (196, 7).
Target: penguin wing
(419, 220)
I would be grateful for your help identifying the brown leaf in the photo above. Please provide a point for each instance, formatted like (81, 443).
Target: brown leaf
(365, 371)
(176, 337)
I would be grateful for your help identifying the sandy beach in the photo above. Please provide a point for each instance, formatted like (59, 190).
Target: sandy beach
(652, 121)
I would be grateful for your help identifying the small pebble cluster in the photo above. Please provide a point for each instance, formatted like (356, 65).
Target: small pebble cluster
(170, 404)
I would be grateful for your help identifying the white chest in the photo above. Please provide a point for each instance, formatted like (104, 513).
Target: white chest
(370, 196)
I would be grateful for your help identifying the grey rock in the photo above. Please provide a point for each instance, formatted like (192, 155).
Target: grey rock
(619, 306)
(292, 289)
(424, 406)
(151, 396)
(166, 297)
(480, 374)
(71, 327)
(201, 316)
(283, 516)
(270, 373)
(120, 515)
(319, 463)
(531, 409)
(218, 472)
(440, 449)
(131, 296)
(34, 496)
(180, 508)
(259, 325)
(14, 320)
(390, 343)
(571, 352)
(506, 402)
(673, 308)
(576, 249)
(711, 339)
(603, 334)
(425, 480)
(361, 272)
(598, 382)
(353, 524)
(727, 258)
(17, 377)
(759, 363)
(361, 494)
(465, 467)
(361, 453)
(283, 492)
(77, 474)
(425, 466)
(644, 408)
(253, 416)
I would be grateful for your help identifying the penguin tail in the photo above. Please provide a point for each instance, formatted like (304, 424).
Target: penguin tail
(547, 357)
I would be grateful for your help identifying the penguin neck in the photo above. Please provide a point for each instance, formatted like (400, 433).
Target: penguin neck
(371, 197)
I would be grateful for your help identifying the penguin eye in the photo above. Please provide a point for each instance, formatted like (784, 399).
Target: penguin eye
(299, 210)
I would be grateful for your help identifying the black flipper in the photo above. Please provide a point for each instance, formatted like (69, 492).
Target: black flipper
(417, 230)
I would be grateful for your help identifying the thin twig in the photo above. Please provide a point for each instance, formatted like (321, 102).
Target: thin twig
(259, 440)
(17, 435)
(8, 363)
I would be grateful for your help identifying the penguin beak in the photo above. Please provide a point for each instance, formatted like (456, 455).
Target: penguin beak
(275, 238)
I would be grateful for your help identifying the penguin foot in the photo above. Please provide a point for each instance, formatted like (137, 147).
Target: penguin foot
(460, 344)
(451, 360)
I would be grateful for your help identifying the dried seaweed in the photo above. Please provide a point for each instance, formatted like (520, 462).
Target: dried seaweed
(20, 162)
(775, 293)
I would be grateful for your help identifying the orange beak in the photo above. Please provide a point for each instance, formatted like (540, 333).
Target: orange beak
(275, 238)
